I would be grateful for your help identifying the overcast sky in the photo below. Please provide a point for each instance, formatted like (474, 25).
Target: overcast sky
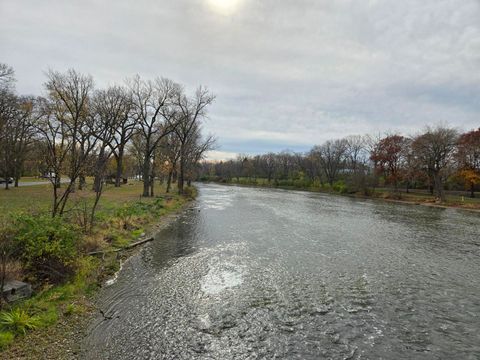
(288, 74)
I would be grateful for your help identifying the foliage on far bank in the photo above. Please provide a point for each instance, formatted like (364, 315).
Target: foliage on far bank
(435, 161)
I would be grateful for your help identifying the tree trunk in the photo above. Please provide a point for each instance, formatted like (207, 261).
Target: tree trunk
(472, 190)
(81, 182)
(6, 177)
(55, 197)
(57, 182)
(97, 182)
(119, 172)
(439, 186)
(182, 174)
(169, 180)
(146, 176)
(431, 181)
(98, 194)
(16, 175)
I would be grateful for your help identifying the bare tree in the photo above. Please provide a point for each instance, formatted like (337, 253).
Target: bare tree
(434, 150)
(170, 153)
(153, 108)
(54, 146)
(109, 109)
(7, 76)
(125, 129)
(194, 151)
(332, 158)
(192, 111)
(69, 102)
(355, 150)
(15, 134)
(268, 164)
(8, 116)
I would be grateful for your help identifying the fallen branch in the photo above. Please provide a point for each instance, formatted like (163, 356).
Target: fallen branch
(122, 248)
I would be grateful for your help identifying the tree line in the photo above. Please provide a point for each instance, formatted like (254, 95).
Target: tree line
(437, 158)
(152, 127)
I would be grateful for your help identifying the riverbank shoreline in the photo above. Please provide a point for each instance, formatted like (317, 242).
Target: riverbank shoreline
(258, 271)
(420, 201)
(63, 340)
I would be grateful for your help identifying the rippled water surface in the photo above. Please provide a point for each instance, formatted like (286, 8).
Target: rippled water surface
(258, 273)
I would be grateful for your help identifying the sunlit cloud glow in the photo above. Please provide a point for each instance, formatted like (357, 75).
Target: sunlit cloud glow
(286, 74)
(224, 7)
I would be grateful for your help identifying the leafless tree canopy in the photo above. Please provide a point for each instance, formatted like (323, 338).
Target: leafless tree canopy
(151, 126)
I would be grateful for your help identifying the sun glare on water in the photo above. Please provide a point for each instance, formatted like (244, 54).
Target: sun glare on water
(224, 7)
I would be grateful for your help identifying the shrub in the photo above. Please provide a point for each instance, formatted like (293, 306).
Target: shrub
(6, 338)
(48, 246)
(18, 321)
(190, 191)
(340, 187)
(127, 213)
(72, 309)
(48, 317)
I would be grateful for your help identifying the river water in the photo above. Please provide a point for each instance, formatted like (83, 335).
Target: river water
(258, 273)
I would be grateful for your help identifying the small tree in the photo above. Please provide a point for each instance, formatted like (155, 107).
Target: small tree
(434, 150)
(67, 131)
(389, 156)
(468, 158)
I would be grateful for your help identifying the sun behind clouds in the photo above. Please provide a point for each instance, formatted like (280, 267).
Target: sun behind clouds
(224, 7)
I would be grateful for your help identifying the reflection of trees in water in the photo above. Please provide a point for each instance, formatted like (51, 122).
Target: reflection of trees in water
(432, 228)
(411, 215)
(176, 240)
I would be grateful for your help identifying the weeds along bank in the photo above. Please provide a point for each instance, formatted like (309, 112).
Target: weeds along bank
(50, 253)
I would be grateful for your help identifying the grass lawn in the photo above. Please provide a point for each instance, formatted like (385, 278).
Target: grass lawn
(33, 179)
(39, 197)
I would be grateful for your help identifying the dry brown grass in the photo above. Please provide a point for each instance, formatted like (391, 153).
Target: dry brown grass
(13, 270)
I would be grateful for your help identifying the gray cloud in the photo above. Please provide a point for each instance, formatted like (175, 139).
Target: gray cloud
(287, 74)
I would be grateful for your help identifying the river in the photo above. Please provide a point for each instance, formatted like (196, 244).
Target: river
(251, 273)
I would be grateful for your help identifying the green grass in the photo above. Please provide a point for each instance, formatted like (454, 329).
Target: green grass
(33, 179)
(18, 321)
(39, 198)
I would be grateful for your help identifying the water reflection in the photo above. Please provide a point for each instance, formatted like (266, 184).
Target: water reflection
(260, 273)
(176, 241)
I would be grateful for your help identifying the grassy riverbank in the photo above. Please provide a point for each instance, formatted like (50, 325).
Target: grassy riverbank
(417, 197)
(49, 324)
